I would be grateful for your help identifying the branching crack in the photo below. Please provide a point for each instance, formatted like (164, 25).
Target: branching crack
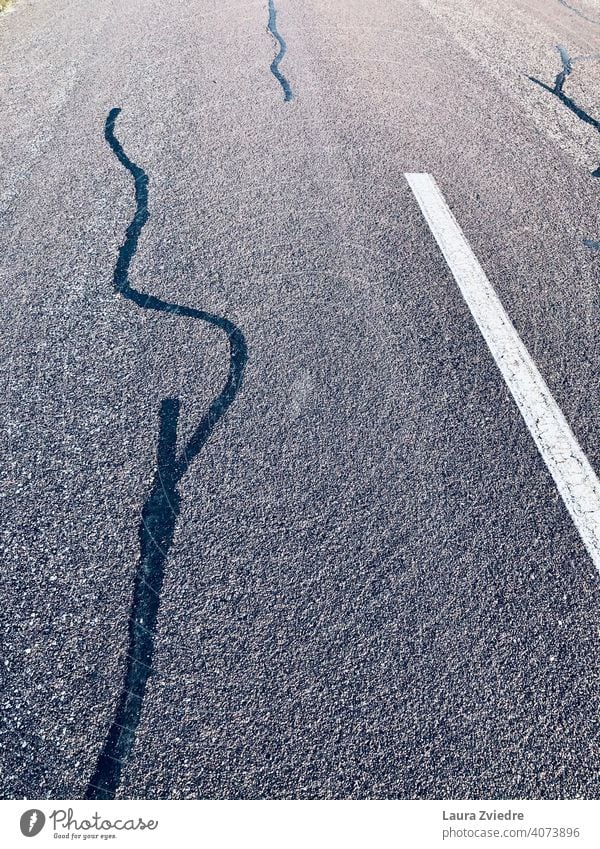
(577, 12)
(558, 91)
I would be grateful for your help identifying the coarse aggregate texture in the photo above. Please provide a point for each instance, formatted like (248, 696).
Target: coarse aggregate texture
(373, 589)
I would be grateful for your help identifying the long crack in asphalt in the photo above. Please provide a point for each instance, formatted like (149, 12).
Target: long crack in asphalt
(161, 509)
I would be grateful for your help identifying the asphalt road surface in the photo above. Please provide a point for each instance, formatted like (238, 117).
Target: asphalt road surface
(272, 522)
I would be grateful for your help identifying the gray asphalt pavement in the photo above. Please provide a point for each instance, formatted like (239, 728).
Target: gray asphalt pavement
(372, 588)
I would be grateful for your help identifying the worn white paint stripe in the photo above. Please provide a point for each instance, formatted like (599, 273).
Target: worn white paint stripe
(574, 477)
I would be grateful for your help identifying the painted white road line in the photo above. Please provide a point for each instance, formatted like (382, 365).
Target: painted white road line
(574, 477)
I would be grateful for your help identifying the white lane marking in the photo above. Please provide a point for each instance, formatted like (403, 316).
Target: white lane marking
(574, 477)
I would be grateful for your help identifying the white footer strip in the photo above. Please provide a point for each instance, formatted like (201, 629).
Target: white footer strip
(574, 477)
